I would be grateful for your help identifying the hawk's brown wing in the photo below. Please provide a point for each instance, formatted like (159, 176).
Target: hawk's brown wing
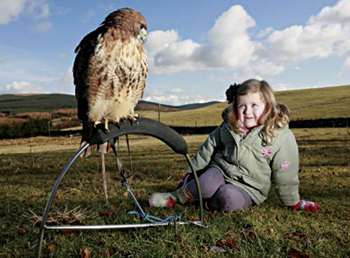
(84, 52)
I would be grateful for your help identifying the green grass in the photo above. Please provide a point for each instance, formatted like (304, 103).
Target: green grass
(329, 102)
(268, 230)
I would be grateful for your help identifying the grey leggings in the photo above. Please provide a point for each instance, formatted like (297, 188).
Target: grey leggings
(218, 194)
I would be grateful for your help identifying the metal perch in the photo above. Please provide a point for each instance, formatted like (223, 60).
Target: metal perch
(143, 126)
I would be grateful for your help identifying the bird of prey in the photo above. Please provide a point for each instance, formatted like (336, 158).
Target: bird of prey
(110, 71)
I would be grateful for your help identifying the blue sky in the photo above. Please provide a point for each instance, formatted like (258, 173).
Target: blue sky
(196, 48)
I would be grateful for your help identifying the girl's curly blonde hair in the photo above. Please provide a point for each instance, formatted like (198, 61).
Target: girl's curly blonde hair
(274, 117)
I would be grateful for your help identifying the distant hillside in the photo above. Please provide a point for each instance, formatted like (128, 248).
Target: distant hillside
(152, 106)
(318, 103)
(10, 103)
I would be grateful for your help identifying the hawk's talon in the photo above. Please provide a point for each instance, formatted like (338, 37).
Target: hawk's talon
(106, 125)
(132, 118)
(96, 123)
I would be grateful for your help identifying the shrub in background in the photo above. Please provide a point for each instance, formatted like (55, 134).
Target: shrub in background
(27, 128)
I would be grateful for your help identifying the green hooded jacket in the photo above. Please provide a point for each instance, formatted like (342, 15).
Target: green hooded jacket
(251, 165)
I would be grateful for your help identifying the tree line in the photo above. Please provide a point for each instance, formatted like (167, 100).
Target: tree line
(27, 128)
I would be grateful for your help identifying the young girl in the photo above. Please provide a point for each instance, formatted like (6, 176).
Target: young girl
(240, 158)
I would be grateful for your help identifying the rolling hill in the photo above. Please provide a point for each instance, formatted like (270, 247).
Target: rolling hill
(10, 103)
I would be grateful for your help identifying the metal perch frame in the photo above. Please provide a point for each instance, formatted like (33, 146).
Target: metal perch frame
(143, 126)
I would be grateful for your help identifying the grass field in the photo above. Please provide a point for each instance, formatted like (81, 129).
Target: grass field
(29, 168)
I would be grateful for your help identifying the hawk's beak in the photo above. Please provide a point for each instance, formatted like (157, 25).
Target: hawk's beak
(142, 37)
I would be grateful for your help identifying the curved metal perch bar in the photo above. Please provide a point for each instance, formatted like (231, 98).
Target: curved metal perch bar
(143, 126)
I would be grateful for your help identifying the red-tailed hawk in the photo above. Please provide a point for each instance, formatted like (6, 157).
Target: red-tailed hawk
(110, 71)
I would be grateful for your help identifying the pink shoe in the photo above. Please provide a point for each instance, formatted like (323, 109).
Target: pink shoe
(306, 206)
(161, 200)
(310, 206)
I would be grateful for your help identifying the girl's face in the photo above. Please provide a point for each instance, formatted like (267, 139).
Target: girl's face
(250, 108)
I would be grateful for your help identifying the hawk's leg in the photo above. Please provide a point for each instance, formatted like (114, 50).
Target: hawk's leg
(104, 149)
(128, 145)
(104, 176)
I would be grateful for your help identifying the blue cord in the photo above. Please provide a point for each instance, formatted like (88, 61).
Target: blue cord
(141, 214)
(154, 219)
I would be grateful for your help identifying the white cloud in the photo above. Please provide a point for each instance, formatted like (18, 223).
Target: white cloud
(43, 27)
(176, 57)
(177, 100)
(229, 46)
(10, 10)
(340, 13)
(231, 25)
(38, 8)
(23, 87)
(159, 40)
(264, 33)
(280, 86)
(27, 70)
(298, 43)
(67, 77)
(346, 65)
(64, 55)
(324, 35)
(172, 97)
(336, 15)
(176, 90)
(264, 67)
(167, 53)
(60, 10)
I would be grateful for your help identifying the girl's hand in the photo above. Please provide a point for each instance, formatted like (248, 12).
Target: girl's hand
(306, 206)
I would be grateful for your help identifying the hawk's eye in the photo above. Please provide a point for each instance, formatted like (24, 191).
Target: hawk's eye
(143, 26)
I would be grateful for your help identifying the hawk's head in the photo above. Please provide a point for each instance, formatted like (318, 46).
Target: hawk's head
(130, 21)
